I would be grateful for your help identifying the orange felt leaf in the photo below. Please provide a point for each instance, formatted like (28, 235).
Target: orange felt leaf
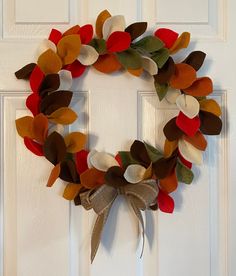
(73, 30)
(92, 178)
(40, 127)
(169, 183)
(75, 141)
(107, 64)
(183, 77)
(102, 17)
(49, 62)
(136, 72)
(198, 140)
(169, 147)
(210, 105)
(181, 42)
(54, 175)
(24, 127)
(200, 87)
(63, 115)
(71, 191)
(68, 48)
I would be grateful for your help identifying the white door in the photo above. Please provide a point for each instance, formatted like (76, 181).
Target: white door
(41, 234)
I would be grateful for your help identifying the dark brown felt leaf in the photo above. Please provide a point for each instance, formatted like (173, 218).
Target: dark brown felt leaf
(171, 130)
(50, 83)
(210, 123)
(166, 72)
(55, 101)
(54, 148)
(164, 166)
(136, 29)
(115, 177)
(25, 72)
(195, 59)
(139, 152)
(69, 172)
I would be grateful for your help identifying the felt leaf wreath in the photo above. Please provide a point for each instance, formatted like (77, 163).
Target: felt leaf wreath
(145, 176)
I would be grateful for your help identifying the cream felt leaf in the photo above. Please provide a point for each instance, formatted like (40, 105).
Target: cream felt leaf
(134, 173)
(113, 24)
(65, 80)
(188, 105)
(149, 65)
(172, 95)
(88, 55)
(189, 152)
(102, 161)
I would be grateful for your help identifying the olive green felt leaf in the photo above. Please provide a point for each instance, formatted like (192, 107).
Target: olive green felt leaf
(161, 90)
(136, 29)
(150, 44)
(184, 174)
(99, 45)
(126, 158)
(161, 57)
(130, 59)
(153, 153)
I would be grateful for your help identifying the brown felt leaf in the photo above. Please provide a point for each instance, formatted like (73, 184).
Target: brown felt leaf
(115, 177)
(171, 130)
(63, 115)
(183, 77)
(25, 72)
(181, 42)
(195, 59)
(170, 183)
(24, 127)
(49, 62)
(92, 178)
(211, 106)
(200, 87)
(136, 29)
(102, 17)
(198, 140)
(54, 175)
(73, 30)
(138, 151)
(107, 64)
(166, 72)
(75, 141)
(69, 172)
(71, 191)
(170, 147)
(40, 127)
(164, 166)
(50, 83)
(210, 123)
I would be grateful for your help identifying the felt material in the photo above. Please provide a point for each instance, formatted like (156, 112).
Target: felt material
(107, 64)
(75, 141)
(119, 160)
(149, 65)
(136, 29)
(115, 177)
(103, 161)
(164, 166)
(102, 17)
(92, 178)
(172, 95)
(161, 90)
(40, 128)
(54, 148)
(49, 62)
(46, 45)
(113, 24)
(165, 203)
(50, 83)
(139, 152)
(55, 172)
(130, 59)
(56, 127)
(210, 123)
(125, 159)
(36, 79)
(169, 147)
(55, 36)
(63, 115)
(171, 130)
(200, 87)
(68, 48)
(90, 154)
(54, 101)
(65, 78)
(99, 45)
(170, 183)
(72, 31)
(88, 55)
(189, 152)
(149, 44)
(195, 59)
(184, 174)
(166, 72)
(187, 125)
(198, 141)
(68, 172)
(71, 191)
(34, 147)
(210, 105)
(134, 173)
(184, 161)
(118, 42)
(81, 161)
(33, 103)
(136, 72)
(25, 72)
(76, 68)
(86, 33)
(188, 105)
(183, 77)
(153, 153)
(167, 36)
(161, 57)
(181, 42)
(24, 127)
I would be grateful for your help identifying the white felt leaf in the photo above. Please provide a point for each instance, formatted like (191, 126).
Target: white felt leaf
(65, 80)
(56, 127)
(88, 55)
(134, 173)
(45, 45)
(188, 105)
(189, 152)
(149, 65)
(102, 161)
(113, 24)
(90, 154)
(172, 95)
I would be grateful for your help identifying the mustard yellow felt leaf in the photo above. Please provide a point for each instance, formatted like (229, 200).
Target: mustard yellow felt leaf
(24, 127)
(102, 17)
(182, 42)
(210, 105)
(63, 115)
(71, 191)
(75, 141)
(169, 147)
(49, 62)
(54, 175)
(136, 72)
(73, 30)
(40, 127)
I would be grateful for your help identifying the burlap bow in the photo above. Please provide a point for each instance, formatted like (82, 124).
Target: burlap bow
(140, 196)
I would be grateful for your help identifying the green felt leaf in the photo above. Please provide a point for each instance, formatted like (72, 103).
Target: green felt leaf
(150, 44)
(99, 45)
(130, 59)
(161, 57)
(126, 158)
(153, 153)
(161, 90)
(184, 174)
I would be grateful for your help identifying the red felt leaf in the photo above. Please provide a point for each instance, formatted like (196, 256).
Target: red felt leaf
(118, 42)
(187, 125)
(81, 161)
(34, 147)
(86, 33)
(167, 36)
(118, 159)
(36, 79)
(165, 203)
(76, 68)
(184, 161)
(33, 103)
(55, 36)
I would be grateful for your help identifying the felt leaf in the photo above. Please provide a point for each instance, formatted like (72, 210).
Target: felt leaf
(92, 178)
(125, 159)
(54, 175)
(65, 77)
(90, 154)
(102, 17)
(198, 141)
(188, 105)
(210, 124)
(172, 95)
(200, 87)
(71, 191)
(68, 171)
(130, 59)
(161, 57)
(138, 151)
(118, 42)
(81, 161)
(72, 31)
(88, 55)
(170, 183)
(164, 166)
(165, 72)
(49, 62)
(56, 127)
(153, 153)
(136, 72)
(107, 64)
(103, 161)
(86, 33)
(149, 65)
(167, 36)
(165, 203)
(24, 127)
(36, 79)
(210, 105)
(134, 173)
(76, 68)
(170, 147)
(187, 125)
(136, 29)
(113, 24)
(161, 90)
(25, 72)
(195, 59)
(171, 130)
(33, 103)
(181, 42)
(50, 83)
(150, 44)
(184, 174)
(115, 177)
(54, 148)
(40, 128)
(33, 146)
(75, 141)
(68, 48)
(99, 45)
(55, 36)
(189, 152)
(46, 45)
(183, 77)
(63, 115)
(185, 162)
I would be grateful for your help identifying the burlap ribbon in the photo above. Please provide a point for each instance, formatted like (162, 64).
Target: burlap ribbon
(140, 196)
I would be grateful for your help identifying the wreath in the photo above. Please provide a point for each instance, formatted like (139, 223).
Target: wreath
(145, 176)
